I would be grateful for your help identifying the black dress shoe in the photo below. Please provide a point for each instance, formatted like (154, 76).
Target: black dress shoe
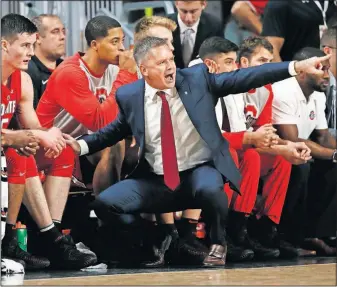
(261, 252)
(216, 256)
(155, 250)
(190, 251)
(237, 253)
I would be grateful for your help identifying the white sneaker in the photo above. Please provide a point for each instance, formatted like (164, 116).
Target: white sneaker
(9, 266)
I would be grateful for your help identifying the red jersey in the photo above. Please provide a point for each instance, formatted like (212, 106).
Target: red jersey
(10, 97)
(258, 106)
(76, 99)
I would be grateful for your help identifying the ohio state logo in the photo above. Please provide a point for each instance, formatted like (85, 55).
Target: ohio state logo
(101, 94)
(251, 114)
(312, 115)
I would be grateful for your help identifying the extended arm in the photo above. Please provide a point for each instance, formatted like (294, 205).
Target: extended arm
(105, 137)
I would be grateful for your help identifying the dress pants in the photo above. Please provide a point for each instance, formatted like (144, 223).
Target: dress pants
(200, 187)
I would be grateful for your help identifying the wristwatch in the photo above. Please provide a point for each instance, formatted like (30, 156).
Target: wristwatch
(334, 156)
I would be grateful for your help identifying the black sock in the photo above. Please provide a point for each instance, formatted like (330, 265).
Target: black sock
(187, 227)
(10, 232)
(167, 228)
(58, 225)
(50, 233)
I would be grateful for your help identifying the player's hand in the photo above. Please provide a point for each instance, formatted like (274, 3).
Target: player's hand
(291, 154)
(302, 148)
(72, 143)
(27, 151)
(312, 65)
(265, 136)
(127, 61)
(21, 139)
(53, 142)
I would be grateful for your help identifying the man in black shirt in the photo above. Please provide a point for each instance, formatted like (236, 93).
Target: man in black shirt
(49, 48)
(292, 25)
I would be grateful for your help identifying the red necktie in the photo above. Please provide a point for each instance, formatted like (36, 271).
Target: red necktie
(168, 148)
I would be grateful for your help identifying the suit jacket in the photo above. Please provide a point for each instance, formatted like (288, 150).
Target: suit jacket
(208, 27)
(199, 91)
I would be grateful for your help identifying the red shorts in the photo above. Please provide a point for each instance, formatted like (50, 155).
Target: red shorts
(20, 168)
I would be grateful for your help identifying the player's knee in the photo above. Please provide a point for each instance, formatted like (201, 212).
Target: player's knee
(282, 163)
(252, 156)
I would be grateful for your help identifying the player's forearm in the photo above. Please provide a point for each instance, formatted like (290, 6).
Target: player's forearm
(123, 77)
(327, 141)
(318, 151)
(276, 150)
(247, 18)
(6, 139)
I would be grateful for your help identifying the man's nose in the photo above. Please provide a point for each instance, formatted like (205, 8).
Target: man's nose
(31, 51)
(188, 17)
(121, 47)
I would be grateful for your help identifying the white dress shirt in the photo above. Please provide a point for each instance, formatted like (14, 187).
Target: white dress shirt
(183, 28)
(291, 107)
(191, 149)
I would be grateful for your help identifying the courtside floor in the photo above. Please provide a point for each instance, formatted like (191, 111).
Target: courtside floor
(306, 271)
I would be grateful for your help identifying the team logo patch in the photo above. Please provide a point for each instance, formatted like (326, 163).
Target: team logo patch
(312, 115)
(251, 115)
(101, 94)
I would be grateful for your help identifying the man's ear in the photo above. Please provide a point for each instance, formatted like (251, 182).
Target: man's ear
(208, 63)
(4, 45)
(94, 45)
(244, 62)
(38, 38)
(203, 4)
(327, 50)
(143, 70)
(212, 66)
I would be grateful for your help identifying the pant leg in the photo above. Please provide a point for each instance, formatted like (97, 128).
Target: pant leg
(250, 170)
(133, 196)
(205, 184)
(322, 199)
(230, 193)
(294, 213)
(275, 171)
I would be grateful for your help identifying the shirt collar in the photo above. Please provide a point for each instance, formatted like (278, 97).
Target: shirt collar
(299, 93)
(183, 27)
(151, 92)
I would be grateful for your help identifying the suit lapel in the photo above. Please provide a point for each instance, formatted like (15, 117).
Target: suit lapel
(139, 114)
(177, 42)
(200, 36)
(194, 105)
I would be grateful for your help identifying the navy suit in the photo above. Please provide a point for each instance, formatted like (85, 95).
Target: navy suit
(201, 187)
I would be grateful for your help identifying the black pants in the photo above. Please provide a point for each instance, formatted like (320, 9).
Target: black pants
(201, 187)
(310, 205)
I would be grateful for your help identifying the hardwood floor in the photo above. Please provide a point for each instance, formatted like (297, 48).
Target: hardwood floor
(314, 274)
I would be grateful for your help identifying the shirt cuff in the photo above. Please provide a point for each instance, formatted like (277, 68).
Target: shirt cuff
(84, 147)
(291, 68)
